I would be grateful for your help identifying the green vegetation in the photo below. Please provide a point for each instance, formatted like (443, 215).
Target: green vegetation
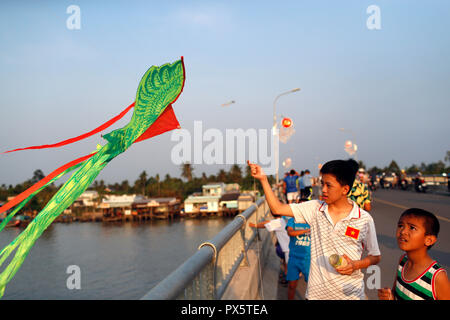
(148, 186)
(432, 168)
(188, 183)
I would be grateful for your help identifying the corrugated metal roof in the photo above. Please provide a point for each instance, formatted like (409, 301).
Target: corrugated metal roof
(229, 196)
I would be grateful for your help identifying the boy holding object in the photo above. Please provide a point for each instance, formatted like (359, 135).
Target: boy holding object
(338, 226)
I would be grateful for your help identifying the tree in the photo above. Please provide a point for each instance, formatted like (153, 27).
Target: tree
(434, 168)
(375, 170)
(412, 170)
(38, 175)
(159, 185)
(222, 176)
(187, 171)
(393, 167)
(248, 182)
(447, 156)
(141, 183)
(361, 164)
(235, 174)
(125, 187)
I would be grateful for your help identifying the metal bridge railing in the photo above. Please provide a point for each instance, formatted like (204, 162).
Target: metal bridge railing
(207, 273)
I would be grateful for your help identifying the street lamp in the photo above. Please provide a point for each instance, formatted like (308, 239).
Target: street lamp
(275, 126)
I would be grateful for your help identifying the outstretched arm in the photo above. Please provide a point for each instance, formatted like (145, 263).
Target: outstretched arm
(259, 225)
(275, 205)
(293, 233)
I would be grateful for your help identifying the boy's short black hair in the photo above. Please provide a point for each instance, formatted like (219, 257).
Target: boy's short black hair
(431, 223)
(343, 170)
(292, 171)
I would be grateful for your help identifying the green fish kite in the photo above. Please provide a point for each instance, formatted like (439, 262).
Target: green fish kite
(153, 115)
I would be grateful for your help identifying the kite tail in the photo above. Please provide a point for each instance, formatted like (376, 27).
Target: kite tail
(24, 202)
(80, 137)
(65, 196)
(158, 88)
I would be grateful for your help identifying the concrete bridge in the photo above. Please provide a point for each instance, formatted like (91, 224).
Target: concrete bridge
(240, 263)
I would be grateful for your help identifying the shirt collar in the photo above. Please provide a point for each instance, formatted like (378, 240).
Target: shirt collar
(354, 214)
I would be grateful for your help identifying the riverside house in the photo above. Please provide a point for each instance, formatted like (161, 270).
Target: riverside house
(218, 199)
(207, 202)
(138, 207)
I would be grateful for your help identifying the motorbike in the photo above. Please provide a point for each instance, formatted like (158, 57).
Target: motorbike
(404, 184)
(420, 185)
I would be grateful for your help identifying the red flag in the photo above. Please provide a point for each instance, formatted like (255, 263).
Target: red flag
(352, 233)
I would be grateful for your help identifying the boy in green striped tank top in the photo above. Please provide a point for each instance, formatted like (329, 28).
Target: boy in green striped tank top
(418, 277)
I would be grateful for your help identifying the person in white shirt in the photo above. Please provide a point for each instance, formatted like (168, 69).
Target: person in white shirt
(278, 226)
(338, 226)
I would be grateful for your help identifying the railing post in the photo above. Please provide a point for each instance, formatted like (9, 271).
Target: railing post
(209, 285)
(244, 262)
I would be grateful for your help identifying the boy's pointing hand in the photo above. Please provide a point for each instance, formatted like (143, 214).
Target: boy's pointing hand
(256, 171)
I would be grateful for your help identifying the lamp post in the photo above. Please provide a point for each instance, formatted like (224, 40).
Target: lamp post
(275, 127)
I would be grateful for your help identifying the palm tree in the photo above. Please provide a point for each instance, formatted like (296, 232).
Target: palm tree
(186, 171)
(141, 182)
(159, 186)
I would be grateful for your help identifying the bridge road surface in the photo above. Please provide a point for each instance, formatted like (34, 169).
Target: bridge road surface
(387, 206)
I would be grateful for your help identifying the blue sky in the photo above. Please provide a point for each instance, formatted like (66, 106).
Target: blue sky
(389, 87)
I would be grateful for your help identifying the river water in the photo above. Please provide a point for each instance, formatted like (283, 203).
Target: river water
(115, 260)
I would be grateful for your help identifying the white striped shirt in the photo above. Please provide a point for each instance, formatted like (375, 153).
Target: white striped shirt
(325, 283)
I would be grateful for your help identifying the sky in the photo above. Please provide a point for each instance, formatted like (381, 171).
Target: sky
(387, 87)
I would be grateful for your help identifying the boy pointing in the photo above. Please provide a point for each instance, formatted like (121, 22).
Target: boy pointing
(338, 226)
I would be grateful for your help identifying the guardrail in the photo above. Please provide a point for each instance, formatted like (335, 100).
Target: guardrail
(207, 274)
